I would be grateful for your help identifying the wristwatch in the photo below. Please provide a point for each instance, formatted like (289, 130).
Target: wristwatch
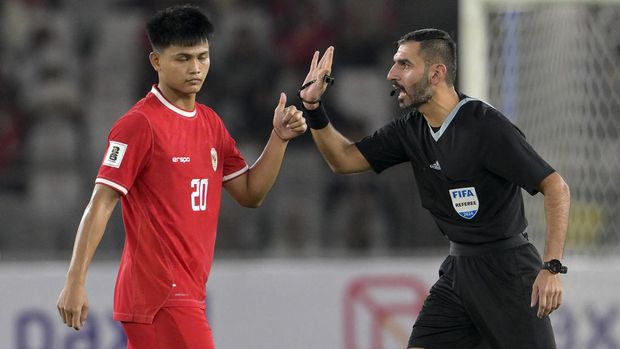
(555, 266)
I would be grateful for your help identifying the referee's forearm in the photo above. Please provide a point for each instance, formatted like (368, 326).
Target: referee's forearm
(339, 152)
(557, 206)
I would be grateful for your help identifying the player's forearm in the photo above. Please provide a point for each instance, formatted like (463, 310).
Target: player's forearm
(89, 234)
(340, 153)
(557, 206)
(263, 173)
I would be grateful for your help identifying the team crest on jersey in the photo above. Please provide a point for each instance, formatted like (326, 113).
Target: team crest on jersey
(115, 153)
(465, 201)
(214, 159)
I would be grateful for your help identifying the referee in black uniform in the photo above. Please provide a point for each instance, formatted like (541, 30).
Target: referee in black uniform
(470, 164)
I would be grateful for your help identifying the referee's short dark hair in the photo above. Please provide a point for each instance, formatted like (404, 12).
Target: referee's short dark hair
(182, 25)
(436, 46)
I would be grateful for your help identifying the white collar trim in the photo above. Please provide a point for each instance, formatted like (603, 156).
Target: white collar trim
(449, 118)
(164, 101)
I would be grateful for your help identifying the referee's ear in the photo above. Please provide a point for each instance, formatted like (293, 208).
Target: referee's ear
(437, 73)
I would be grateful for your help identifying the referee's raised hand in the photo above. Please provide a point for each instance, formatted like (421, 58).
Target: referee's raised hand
(319, 69)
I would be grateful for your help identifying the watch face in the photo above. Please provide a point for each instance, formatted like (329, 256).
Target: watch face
(555, 265)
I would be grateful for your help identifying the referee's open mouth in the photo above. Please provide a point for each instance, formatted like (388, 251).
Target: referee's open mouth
(398, 89)
(395, 88)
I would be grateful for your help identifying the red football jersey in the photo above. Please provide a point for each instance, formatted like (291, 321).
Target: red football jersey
(169, 165)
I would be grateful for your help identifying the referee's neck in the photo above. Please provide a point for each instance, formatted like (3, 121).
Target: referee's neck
(440, 105)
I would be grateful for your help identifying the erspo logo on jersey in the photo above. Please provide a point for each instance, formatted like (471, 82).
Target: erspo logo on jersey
(465, 201)
(115, 153)
(181, 159)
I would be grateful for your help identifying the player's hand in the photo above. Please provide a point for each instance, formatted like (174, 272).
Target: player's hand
(318, 70)
(73, 306)
(546, 292)
(288, 122)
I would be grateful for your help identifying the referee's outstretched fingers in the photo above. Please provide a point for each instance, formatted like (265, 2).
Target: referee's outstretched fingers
(555, 302)
(543, 306)
(546, 292)
(549, 296)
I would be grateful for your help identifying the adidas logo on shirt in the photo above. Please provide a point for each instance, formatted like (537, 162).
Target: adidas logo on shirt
(436, 166)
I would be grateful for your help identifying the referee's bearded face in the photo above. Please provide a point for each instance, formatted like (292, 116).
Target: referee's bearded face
(182, 68)
(409, 75)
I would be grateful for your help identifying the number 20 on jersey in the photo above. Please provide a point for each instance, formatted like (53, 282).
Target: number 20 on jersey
(199, 194)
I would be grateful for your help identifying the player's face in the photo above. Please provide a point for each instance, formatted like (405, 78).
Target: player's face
(410, 76)
(183, 69)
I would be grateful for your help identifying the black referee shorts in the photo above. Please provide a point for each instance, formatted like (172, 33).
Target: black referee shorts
(483, 301)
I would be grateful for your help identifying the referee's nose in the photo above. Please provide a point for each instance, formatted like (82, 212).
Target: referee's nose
(391, 75)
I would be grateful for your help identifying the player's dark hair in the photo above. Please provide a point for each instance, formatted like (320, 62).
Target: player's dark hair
(436, 46)
(184, 26)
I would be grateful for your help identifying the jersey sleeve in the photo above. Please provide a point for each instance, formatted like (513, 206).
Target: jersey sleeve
(234, 164)
(509, 155)
(130, 145)
(384, 149)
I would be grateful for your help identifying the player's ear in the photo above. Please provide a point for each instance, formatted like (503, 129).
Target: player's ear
(154, 59)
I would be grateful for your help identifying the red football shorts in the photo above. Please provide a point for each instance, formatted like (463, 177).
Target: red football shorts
(172, 328)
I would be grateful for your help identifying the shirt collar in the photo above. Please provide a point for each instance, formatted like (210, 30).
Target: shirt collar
(188, 114)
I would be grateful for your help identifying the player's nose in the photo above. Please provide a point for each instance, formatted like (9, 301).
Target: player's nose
(194, 66)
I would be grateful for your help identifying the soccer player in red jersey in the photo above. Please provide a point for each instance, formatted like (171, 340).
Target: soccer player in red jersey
(168, 159)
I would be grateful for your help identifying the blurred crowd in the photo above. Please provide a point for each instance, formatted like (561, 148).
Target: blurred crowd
(70, 68)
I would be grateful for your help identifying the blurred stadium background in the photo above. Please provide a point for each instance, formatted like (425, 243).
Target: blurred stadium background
(70, 68)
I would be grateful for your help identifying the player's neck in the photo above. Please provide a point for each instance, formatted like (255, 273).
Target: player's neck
(437, 109)
(184, 101)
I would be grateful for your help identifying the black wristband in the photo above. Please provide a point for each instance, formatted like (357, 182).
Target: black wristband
(317, 118)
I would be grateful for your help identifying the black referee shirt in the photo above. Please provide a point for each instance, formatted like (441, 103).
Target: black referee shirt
(469, 172)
